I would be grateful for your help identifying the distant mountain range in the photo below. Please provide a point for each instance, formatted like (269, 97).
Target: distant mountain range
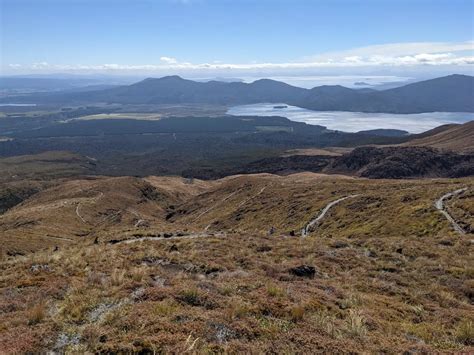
(453, 93)
(28, 85)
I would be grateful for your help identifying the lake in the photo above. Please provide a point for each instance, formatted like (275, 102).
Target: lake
(354, 121)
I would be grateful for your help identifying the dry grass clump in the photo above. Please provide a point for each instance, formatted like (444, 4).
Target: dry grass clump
(238, 309)
(77, 305)
(37, 313)
(326, 322)
(297, 313)
(138, 274)
(191, 297)
(166, 308)
(465, 332)
(117, 278)
(275, 291)
(355, 324)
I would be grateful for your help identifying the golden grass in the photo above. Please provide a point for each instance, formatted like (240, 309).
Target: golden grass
(391, 276)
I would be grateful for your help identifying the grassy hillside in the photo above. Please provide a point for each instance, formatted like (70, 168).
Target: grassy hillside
(73, 210)
(459, 138)
(24, 176)
(389, 273)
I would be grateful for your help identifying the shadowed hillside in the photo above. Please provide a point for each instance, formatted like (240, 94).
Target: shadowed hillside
(402, 162)
(459, 138)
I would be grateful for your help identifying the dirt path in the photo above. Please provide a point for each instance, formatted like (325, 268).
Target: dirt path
(215, 205)
(140, 220)
(189, 236)
(306, 230)
(58, 238)
(439, 204)
(252, 197)
(241, 204)
(89, 199)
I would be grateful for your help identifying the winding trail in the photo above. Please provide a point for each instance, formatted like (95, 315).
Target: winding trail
(241, 204)
(90, 199)
(189, 236)
(78, 214)
(439, 204)
(305, 231)
(58, 238)
(252, 197)
(215, 205)
(139, 223)
(140, 220)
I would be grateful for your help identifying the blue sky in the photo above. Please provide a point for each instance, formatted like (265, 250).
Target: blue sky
(239, 37)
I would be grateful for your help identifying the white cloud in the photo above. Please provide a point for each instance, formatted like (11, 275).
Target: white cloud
(396, 50)
(387, 55)
(419, 59)
(40, 65)
(168, 60)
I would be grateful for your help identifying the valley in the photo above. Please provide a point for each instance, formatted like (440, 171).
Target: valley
(175, 227)
(211, 177)
(219, 265)
(99, 208)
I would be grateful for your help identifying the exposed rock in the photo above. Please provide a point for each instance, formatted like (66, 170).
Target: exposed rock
(37, 268)
(303, 271)
(402, 162)
(338, 244)
(65, 340)
(222, 332)
(138, 293)
(15, 253)
(263, 248)
(446, 242)
(99, 312)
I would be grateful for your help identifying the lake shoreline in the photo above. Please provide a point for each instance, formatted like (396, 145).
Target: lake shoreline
(354, 121)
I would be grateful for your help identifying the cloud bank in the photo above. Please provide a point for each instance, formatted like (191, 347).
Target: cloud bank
(386, 55)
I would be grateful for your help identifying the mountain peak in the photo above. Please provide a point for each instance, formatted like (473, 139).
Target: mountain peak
(264, 81)
(171, 77)
(331, 88)
(164, 78)
(458, 76)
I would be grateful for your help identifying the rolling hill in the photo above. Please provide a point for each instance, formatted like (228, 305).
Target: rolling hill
(221, 265)
(23, 176)
(452, 93)
(68, 211)
(174, 89)
(458, 138)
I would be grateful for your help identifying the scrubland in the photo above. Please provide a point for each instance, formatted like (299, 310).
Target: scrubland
(383, 272)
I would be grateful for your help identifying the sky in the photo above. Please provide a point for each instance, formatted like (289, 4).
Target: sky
(371, 39)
